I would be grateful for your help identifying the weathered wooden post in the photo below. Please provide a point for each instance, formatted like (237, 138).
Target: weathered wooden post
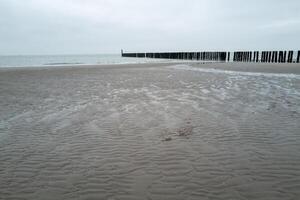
(270, 56)
(241, 56)
(298, 57)
(290, 57)
(256, 56)
(248, 56)
(284, 57)
(279, 56)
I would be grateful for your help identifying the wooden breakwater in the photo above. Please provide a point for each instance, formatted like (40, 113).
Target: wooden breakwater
(237, 56)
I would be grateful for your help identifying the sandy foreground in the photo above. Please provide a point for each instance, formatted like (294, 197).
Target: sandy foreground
(151, 131)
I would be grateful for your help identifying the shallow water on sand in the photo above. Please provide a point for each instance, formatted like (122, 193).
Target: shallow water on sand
(148, 133)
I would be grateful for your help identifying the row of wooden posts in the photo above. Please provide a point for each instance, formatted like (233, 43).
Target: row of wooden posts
(238, 56)
(266, 56)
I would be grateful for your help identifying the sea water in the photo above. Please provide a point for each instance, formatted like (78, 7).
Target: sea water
(64, 60)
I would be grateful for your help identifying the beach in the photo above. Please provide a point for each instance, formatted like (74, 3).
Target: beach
(150, 131)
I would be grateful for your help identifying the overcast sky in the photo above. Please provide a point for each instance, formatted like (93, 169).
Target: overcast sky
(106, 26)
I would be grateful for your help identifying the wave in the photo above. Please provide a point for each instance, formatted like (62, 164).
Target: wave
(64, 63)
(241, 73)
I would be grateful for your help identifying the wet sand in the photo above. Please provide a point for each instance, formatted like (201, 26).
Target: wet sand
(152, 131)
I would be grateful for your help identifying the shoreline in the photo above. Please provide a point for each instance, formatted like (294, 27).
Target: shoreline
(274, 68)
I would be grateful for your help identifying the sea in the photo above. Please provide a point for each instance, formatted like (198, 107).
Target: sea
(71, 60)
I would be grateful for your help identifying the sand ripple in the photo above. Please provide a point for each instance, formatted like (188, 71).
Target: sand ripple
(148, 133)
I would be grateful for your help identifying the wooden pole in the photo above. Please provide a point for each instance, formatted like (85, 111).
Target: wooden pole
(276, 56)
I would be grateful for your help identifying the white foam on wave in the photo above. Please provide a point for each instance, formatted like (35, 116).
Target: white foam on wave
(241, 73)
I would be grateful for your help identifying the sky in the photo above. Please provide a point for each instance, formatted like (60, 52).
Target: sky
(106, 26)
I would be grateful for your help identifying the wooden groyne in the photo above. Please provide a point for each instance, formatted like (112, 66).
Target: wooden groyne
(237, 56)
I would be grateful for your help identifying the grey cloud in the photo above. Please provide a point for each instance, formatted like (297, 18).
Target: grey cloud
(106, 26)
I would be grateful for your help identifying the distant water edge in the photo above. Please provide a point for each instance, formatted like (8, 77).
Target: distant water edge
(69, 60)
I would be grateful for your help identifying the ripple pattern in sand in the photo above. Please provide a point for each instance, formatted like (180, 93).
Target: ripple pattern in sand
(148, 133)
